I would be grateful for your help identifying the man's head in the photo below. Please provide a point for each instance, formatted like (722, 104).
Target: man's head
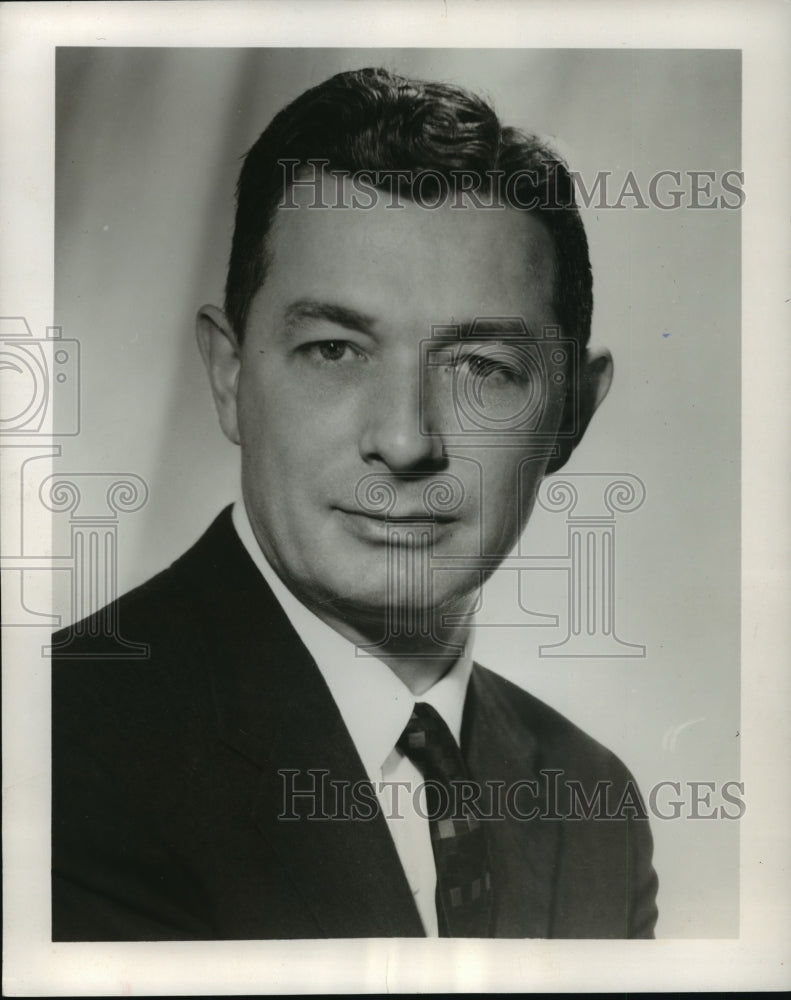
(327, 368)
(371, 120)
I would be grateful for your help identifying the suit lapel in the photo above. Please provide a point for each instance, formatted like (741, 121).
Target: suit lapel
(498, 746)
(274, 708)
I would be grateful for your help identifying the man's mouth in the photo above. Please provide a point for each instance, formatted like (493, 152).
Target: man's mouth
(394, 529)
(409, 517)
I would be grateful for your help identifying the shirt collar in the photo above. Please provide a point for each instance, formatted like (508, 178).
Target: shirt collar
(374, 704)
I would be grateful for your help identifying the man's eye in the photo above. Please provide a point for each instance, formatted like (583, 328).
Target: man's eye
(485, 367)
(332, 350)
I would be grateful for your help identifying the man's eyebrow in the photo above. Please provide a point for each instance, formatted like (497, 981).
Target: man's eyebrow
(484, 328)
(330, 312)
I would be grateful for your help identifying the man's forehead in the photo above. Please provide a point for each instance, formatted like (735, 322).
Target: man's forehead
(359, 194)
(503, 245)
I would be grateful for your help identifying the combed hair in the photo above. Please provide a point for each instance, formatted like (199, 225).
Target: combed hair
(373, 120)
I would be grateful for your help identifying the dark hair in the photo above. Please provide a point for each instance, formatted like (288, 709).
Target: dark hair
(372, 120)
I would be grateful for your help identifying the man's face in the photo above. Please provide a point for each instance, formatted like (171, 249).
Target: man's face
(329, 394)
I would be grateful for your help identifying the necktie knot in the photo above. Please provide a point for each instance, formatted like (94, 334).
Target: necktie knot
(463, 895)
(429, 744)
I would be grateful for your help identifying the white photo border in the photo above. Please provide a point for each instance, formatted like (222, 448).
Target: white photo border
(761, 957)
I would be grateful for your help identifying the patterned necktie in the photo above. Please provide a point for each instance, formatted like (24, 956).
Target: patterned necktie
(464, 896)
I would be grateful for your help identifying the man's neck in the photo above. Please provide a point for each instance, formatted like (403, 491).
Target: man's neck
(418, 659)
(419, 647)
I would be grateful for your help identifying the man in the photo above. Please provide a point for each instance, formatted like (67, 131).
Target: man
(401, 358)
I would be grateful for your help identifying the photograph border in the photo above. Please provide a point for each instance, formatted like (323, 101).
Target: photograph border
(33, 965)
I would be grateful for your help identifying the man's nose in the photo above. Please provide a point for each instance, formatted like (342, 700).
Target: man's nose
(401, 428)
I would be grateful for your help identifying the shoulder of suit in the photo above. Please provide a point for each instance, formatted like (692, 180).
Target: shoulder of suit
(158, 660)
(561, 742)
(155, 606)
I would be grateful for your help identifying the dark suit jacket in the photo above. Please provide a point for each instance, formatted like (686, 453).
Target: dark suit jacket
(166, 791)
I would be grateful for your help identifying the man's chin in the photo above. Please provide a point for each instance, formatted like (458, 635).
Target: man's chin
(374, 602)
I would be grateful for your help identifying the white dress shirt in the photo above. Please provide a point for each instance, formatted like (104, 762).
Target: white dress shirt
(375, 706)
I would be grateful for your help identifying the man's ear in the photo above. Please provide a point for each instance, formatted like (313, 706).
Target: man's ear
(593, 384)
(220, 352)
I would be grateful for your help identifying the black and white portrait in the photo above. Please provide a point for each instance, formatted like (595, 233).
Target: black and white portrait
(404, 356)
(395, 490)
